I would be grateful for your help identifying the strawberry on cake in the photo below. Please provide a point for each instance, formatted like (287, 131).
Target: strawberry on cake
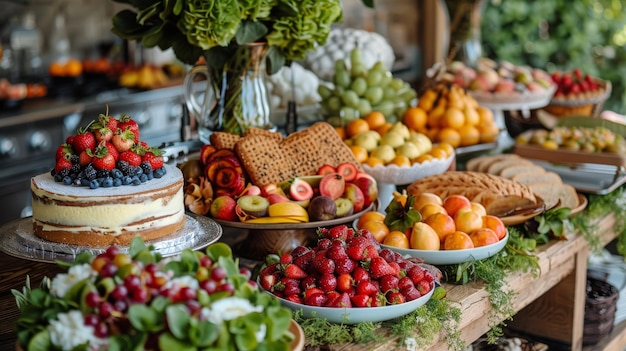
(107, 187)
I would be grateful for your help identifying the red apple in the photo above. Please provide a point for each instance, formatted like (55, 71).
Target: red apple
(453, 203)
(224, 207)
(354, 194)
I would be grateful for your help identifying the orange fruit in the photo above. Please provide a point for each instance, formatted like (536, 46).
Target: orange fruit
(73, 68)
(485, 115)
(442, 223)
(374, 161)
(453, 118)
(438, 153)
(341, 132)
(458, 241)
(427, 100)
(424, 158)
(435, 116)
(415, 118)
(449, 149)
(450, 136)
(470, 135)
(396, 238)
(484, 237)
(375, 119)
(378, 229)
(471, 116)
(356, 126)
(468, 220)
(384, 128)
(370, 216)
(359, 153)
(401, 161)
(56, 69)
(488, 132)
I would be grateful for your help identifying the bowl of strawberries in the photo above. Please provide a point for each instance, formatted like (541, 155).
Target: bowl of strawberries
(347, 277)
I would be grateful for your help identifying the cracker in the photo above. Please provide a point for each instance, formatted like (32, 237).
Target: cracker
(264, 159)
(223, 140)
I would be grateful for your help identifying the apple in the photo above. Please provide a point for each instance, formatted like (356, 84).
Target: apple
(353, 193)
(344, 207)
(224, 207)
(368, 186)
(253, 205)
(322, 208)
(300, 190)
(384, 153)
(392, 138)
(332, 185)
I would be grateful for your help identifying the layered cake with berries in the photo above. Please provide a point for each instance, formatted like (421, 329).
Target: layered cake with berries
(106, 188)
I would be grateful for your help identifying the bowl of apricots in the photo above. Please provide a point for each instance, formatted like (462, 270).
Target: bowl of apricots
(451, 230)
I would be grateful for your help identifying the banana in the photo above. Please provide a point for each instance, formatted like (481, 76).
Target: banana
(274, 220)
(287, 209)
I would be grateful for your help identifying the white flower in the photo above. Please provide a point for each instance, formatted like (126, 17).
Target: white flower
(260, 334)
(229, 308)
(411, 344)
(176, 284)
(62, 283)
(69, 330)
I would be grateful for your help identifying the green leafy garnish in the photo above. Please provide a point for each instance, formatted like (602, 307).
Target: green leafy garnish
(400, 216)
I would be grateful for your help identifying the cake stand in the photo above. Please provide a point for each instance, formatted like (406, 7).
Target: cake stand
(256, 241)
(390, 176)
(19, 240)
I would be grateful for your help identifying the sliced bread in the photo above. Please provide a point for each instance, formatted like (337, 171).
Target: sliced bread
(511, 171)
(551, 194)
(498, 166)
(534, 177)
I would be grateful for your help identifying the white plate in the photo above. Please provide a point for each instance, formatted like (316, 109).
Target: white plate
(393, 174)
(453, 256)
(357, 314)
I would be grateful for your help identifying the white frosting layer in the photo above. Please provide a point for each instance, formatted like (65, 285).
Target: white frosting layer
(67, 211)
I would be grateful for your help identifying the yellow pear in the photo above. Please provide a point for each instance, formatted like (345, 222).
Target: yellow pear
(424, 237)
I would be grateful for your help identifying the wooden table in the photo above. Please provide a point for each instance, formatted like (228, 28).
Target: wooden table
(550, 306)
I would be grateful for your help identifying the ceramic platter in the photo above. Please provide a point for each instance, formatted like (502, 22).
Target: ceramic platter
(288, 226)
(443, 257)
(357, 314)
(19, 240)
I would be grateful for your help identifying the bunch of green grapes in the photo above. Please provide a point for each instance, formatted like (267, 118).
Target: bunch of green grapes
(358, 91)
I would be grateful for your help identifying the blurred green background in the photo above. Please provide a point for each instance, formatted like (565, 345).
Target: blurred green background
(561, 35)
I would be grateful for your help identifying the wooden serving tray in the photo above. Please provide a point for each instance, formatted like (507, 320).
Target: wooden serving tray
(563, 156)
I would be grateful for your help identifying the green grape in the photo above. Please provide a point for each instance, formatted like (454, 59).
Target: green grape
(350, 98)
(324, 91)
(375, 78)
(387, 79)
(399, 107)
(340, 66)
(385, 107)
(364, 107)
(355, 57)
(378, 67)
(397, 84)
(388, 93)
(348, 113)
(335, 121)
(334, 104)
(374, 94)
(358, 70)
(409, 95)
(359, 85)
(342, 79)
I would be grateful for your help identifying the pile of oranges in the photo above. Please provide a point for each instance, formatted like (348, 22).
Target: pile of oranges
(69, 68)
(375, 121)
(448, 114)
(453, 223)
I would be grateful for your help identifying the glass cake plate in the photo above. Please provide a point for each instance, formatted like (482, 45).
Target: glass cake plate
(18, 240)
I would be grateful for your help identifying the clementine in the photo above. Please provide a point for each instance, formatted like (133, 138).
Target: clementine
(375, 119)
(359, 153)
(401, 161)
(453, 118)
(356, 126)
(378, 229)
(373, 161)
(415, 118)
(370, 216)
(450, 136)
(341, 131)
(483, 237)
(495, 223)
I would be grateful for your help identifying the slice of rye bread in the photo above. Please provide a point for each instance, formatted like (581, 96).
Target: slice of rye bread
(534, 177)
(485, 164)
(264, 160)
(551, 194)
(511, 171)
(223, 140)
(474, 164)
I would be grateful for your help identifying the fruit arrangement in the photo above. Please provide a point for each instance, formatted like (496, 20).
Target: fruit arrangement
(106, 153)
(143, 77)
(577, 93)
(428, 222)
(576, 138)
(376, 142)
(347, 268)
(138, 300)
(217, 185)
(498, 77)
(359, 90)
(69, 68)
(446, 113)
